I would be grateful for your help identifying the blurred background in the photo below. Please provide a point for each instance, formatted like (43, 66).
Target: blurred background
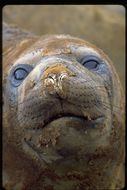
(102, 25)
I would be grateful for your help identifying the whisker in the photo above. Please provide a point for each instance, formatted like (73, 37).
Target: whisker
(118, 109)
(33, 97)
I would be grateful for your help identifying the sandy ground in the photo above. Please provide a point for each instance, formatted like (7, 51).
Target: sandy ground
(103, 26)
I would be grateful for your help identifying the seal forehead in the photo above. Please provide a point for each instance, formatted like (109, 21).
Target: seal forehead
(64, 41)
(57, 45)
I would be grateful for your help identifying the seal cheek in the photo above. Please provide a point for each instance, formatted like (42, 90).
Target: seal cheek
(26, 88)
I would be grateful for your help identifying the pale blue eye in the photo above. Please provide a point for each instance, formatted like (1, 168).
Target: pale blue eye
(19, 73)
(90, 62)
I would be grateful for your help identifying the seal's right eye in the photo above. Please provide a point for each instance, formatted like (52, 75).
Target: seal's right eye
(19, 73)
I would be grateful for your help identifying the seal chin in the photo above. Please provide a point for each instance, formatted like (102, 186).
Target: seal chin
(63, 137)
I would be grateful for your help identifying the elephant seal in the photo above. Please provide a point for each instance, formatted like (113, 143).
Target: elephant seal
(63, 114)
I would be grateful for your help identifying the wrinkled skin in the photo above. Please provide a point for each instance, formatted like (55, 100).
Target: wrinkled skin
(63, 125)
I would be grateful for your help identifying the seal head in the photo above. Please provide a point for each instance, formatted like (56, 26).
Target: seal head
(63, 116)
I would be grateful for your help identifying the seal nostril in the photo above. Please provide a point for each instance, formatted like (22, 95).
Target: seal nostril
(63, 76)
(52, 76)
(49, 83)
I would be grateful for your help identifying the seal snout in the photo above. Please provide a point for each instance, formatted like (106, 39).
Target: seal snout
(54, 78)
(53, 83)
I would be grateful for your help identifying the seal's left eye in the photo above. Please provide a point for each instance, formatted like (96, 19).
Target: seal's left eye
(19, 73)
(90, 62)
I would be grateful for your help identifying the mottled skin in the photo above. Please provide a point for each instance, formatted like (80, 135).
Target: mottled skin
(63, 126)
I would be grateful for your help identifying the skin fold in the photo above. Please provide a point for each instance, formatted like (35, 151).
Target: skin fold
(63, 116)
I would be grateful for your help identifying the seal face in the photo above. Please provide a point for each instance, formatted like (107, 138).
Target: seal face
(62, 117)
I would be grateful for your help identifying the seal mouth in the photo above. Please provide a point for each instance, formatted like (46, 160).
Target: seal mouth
(62, 116)
(71, 120)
